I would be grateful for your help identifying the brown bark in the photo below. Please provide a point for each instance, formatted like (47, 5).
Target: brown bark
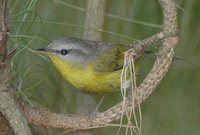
(5, 128)
(8, 106)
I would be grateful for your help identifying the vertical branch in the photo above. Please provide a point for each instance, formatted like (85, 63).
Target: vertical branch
(170, 26)
(8, 107)
(3, 30)
(4, 125)
(94, 20)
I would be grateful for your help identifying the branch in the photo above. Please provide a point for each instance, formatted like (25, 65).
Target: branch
(159, 70)
(141, 45)
(3, 30)
(5, 128)
(94, 20)
(8, 106)
(165, 54)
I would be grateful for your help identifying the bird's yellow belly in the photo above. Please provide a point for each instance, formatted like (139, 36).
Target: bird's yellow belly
(86, 79)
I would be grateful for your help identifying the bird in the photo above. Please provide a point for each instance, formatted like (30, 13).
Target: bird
(91, 66)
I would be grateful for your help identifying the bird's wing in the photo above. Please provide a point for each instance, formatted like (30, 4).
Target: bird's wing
(109, 60)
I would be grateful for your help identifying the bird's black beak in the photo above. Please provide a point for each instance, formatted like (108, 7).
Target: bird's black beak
(42, 50)
(45, 51)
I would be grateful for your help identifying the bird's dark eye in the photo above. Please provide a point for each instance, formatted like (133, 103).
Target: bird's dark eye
(64, 51)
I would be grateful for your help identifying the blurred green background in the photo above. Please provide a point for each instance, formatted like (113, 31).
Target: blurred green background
(172, 110)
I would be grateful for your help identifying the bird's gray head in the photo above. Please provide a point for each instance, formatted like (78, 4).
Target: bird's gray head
(74, 50)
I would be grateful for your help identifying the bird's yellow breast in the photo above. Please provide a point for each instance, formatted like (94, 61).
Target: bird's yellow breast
(86, 78)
